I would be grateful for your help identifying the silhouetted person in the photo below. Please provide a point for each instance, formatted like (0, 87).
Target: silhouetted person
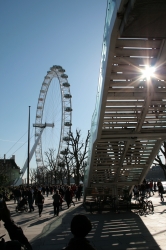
(57, 200)
(30, 199)
(18, 239)
(80, 227)
(40, 202)
(68, 196)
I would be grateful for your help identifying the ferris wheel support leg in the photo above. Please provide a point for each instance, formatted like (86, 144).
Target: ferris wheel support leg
(18, 181)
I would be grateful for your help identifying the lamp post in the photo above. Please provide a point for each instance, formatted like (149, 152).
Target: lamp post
(28, 147)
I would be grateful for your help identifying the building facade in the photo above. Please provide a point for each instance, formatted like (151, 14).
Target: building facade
(10, 170)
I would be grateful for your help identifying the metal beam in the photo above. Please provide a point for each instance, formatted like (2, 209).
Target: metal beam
(113, 184)
(151, 159)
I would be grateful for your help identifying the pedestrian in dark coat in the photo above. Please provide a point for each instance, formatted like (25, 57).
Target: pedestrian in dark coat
(56, 203)
(68, 196)
(47, 190)
(30, 199)
(40, 202)
(17, 195)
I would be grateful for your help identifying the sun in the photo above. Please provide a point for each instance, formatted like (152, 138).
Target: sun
(148, 72)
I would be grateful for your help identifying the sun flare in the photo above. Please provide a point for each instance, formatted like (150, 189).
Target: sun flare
(148, 72)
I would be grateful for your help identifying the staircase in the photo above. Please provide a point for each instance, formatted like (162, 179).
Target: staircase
(129, 121)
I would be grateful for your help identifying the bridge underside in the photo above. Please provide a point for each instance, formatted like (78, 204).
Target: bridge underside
(131, 115)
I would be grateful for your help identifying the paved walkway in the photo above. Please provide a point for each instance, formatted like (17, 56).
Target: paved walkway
(124, 231)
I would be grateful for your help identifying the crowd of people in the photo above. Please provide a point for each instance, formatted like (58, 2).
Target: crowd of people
(148, 188)
(80, 224)
(35, 195)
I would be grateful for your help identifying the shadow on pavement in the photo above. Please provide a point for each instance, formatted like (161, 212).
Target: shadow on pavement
(38, 222)
(164, 211)
(124, 231)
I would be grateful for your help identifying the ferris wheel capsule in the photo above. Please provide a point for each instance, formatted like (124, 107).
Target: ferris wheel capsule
(68, 124)
(62, 70)
(66, 84)
(64, 152)
(47, 77)
(68, 109)
(56, 67)
(66, 138)
(64, 76)
(68, 96)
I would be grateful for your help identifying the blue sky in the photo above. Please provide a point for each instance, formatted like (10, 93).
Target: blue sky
(35, 35)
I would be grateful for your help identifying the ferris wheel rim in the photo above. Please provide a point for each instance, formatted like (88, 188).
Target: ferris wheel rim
(55, 71)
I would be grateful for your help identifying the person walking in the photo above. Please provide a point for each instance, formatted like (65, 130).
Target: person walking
(30, 199)
(68, 196)
(47, 190)
(161, 191)
(72, 195)
(56, 203)
(61, 192)
(18, 195)
(151, 188)
(40, 202)
(35, 195)
(80, 191)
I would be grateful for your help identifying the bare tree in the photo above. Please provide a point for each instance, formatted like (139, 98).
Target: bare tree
(78, 150)
(159, 161)
(72, 162)
(53, 170)
(61, 174)
(41, 174)
(67, 163)
(33, 175)
(51, 165)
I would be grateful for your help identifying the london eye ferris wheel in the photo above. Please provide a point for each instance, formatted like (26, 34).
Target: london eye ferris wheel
(53, 115)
